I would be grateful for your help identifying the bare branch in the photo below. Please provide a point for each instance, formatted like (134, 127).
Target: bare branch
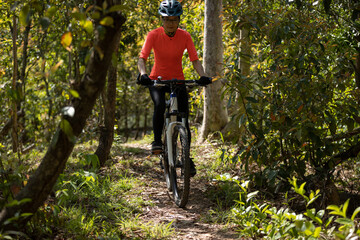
(341, 136)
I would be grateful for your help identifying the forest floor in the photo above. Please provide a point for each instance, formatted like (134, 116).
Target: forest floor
(191, 222)
(201, 218)
(128, 197)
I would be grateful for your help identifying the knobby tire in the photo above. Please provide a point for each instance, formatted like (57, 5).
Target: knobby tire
(180, 173)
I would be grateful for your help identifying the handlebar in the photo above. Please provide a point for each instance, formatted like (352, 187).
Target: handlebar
(160, 83)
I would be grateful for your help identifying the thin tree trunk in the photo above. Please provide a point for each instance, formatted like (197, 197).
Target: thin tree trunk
(215, 112)
(245, 49)
(357, 62)
(145, 122)
(25, 56)
(357, 69)
(42, 181)
(70, 67)
(233, 131)
(14, 132)
(126, 117)
(137, 122)
(22, 85)
(107, 131)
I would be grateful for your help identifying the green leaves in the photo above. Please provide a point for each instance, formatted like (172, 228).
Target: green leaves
(88, 26)
(84, 21)
(301, 190)
(315, 216)
(118, 8)
(355, 213)
(282, 223)
(66, 127)
(107, 21)
(74, 93)
(50, 12)
(92, 160)
(340, 211)
(347, 225)
(25, 15)
(14, 94)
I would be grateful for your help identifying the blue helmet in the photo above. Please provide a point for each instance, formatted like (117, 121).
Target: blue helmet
(170, 8)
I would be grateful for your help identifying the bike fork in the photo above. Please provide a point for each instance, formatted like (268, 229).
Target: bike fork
(169, 135)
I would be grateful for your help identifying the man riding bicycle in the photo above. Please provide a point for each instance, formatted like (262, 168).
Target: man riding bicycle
(169, 43)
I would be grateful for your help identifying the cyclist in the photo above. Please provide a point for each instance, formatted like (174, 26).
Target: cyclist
(168, 43)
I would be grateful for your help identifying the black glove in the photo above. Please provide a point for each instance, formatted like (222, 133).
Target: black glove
(144, 80)
(203, 81)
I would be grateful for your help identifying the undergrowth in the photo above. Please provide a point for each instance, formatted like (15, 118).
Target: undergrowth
(258, 219)
(92, 203)
(254, 215)
(106, 203)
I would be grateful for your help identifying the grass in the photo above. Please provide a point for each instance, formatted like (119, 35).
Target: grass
(100, 204)
(107, 203)
(136, 229)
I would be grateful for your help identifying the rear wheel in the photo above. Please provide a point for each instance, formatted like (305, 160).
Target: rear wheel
(180, 173)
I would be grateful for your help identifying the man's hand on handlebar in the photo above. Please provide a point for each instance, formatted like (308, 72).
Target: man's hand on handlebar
(203, 81)
(144, 80)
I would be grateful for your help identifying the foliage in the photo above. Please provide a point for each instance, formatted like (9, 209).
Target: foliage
(300, 98)
(255, 218)
(96, 204)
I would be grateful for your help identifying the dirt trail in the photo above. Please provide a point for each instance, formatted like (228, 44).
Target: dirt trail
(189, 222)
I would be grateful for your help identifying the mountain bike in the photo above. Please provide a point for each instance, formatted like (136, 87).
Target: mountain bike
(175, 157)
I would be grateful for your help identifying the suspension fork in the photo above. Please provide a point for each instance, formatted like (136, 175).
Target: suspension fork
(171, 122)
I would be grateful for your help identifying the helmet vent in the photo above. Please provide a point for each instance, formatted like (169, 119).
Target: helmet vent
(170, 8)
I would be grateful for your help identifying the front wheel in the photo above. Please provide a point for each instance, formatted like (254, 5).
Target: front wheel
(180, 172)
(165, 162)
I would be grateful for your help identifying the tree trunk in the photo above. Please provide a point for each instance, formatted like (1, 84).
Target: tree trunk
(126, 115)
(25, 56)
(22, 84)
(107, 131)
(137, 122)
(357, 61)
(42, 181)
(215, 112)
(233, 131)
(357, 69)
(145, 123)
(14, 132)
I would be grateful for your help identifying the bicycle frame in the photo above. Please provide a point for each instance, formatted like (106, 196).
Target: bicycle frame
(172, 114)
(170, 123)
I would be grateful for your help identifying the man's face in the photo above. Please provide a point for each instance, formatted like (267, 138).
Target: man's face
(170, 23)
